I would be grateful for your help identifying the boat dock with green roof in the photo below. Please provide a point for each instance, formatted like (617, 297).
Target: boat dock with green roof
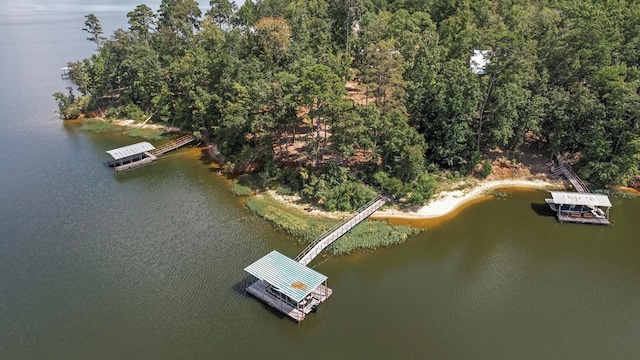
(286, 285)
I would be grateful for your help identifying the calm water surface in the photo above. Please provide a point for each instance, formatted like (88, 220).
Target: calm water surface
(148, 264)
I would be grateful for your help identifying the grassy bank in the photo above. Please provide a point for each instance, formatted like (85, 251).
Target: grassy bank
(369, 235)
(100, 125)
(97, 125)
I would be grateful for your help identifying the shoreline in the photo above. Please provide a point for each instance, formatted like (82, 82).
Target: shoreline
(442, 205)
(447, 202)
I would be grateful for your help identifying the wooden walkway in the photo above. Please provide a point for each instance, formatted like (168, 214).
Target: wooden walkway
(565, 169)
(319, 295)
(181, 141)
(340, 229)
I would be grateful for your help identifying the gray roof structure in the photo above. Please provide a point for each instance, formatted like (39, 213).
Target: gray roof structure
(575, 198)
(130, 150)
(286, 275)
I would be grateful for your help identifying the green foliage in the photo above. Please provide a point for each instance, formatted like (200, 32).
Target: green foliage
(564, 73)
(390, 185)
(68, 106)
(368, 235)
(241, 190)
(622, 194)
(97, 125)
(294, 222)
(147, 134)
(347, 197)
(124, 112)
(332, 188)
(500, 195)
(422, 189)
(372, 235)
(486, 168)
(475, 159)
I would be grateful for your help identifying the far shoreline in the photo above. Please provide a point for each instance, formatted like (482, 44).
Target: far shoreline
(446, 203)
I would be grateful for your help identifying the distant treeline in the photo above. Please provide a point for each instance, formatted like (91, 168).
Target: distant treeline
(564, 74)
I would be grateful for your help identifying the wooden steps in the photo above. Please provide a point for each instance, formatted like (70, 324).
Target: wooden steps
(565, 170)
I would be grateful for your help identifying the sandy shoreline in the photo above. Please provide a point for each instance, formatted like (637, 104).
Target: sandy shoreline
(442, 204)
(446, 202)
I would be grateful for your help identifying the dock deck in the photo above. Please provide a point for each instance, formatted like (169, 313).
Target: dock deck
(583, 220)
(319, 295)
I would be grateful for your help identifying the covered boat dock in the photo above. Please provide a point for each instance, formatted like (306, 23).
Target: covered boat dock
(580, 207)
(131, 156)
(142, 153)
(286, 285)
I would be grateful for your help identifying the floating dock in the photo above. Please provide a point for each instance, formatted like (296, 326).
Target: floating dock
(582, 208)
(582, 220)
(286, 285)
(143, 153)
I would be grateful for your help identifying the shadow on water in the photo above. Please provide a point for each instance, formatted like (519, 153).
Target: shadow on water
(239, 287)
(542, 209)
(211, 158)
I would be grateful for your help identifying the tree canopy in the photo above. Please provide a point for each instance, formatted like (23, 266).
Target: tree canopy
(252, 79)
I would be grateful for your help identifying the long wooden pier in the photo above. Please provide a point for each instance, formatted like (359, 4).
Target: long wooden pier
(340, 229)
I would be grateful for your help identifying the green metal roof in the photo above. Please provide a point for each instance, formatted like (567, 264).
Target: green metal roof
(288, 276)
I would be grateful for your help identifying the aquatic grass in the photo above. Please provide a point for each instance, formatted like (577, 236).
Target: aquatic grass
(291, 220)
(371, 235)
(147, 134)
(241, 190)
(500, 195)
(97, 125)
(623, 194)
(367, 236)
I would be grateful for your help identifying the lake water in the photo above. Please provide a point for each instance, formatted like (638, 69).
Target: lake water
(148, 264)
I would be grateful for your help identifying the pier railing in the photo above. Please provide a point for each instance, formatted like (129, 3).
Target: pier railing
(566, 170)
(173, 145)
(331, 235)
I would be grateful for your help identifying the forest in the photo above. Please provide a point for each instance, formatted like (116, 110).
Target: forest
(336, 99)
